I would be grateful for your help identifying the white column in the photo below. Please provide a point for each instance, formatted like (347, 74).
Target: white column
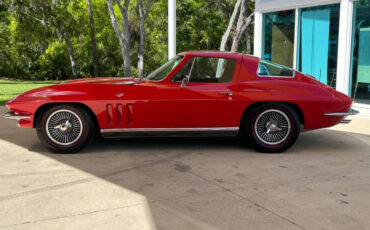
(295, 52)
(344, 45)
(171, 28)
(257, 51)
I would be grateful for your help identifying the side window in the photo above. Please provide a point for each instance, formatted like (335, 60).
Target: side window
(206, 69)
(214, 70)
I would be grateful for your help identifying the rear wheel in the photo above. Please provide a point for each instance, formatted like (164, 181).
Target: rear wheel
(65, 128)
(272, 127)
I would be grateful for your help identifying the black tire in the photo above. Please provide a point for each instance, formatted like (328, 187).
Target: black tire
(73, 128)
(272, 127)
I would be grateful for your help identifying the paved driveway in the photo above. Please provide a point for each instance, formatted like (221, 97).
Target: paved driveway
(323, 182)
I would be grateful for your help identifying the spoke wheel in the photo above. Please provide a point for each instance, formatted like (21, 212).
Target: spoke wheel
(64, 127)
(272, 127)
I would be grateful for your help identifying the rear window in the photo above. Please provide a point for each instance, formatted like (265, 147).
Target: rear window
(270, 69)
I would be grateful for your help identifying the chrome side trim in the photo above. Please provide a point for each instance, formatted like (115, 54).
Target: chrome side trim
(11, 115)
(337, 114)
(351, 112)
(207, 129)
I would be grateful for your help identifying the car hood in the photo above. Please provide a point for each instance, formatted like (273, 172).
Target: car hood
(100, 80)
(68, 90)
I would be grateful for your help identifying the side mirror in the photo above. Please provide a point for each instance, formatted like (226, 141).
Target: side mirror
(184, 82)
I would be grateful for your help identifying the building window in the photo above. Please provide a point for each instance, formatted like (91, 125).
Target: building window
(278, 37)
(318, 42)
(360, 74)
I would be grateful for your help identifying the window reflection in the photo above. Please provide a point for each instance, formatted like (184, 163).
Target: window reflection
(278, 37)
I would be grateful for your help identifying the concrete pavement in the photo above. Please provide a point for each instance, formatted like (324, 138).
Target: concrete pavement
(184, 183)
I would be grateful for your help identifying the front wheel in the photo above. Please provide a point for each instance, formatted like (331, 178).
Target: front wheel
(65, 128)
(273, 127)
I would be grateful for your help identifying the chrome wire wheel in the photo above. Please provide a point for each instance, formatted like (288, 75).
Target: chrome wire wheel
(63, 127)
(272, 127)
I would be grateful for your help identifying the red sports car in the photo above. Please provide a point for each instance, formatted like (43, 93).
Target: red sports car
(194, 93)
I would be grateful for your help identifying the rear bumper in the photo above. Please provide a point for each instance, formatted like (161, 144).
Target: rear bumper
(14, 116)
(343, 114)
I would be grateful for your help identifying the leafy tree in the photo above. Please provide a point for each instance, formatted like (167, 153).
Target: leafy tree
(54, 39)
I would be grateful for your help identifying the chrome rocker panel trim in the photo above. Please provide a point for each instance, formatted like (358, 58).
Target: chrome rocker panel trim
(11, 115)
(176, 132)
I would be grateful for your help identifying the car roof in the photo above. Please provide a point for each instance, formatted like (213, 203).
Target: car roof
(213, 53)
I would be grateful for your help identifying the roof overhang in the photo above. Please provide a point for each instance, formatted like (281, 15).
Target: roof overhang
(277, 5)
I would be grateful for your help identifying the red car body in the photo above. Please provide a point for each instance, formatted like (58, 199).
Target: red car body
(127, 103)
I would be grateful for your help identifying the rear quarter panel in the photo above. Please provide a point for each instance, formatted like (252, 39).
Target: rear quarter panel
(313, 98)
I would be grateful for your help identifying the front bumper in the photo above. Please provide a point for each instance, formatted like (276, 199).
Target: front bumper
(15, 116)
(343, 114)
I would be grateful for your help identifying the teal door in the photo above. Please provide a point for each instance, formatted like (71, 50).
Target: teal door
(315, 24)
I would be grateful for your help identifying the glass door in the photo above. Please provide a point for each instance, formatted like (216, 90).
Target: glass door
(360, 74)
(318, 42)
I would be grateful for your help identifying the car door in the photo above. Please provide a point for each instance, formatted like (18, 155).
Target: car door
(206, 100)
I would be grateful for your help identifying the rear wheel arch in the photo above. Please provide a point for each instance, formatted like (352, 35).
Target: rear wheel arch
(45, 107)
(247, 110)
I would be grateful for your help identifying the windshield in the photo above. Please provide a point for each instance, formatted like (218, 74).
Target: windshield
(165, 69)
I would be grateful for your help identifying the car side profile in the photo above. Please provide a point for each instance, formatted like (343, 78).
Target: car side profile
(194, 93)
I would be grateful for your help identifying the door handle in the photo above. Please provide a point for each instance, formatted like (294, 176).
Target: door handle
(226, 93)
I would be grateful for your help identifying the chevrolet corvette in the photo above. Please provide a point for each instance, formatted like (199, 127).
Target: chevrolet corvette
(195, 93)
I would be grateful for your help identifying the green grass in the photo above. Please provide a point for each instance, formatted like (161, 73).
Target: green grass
(11, 88)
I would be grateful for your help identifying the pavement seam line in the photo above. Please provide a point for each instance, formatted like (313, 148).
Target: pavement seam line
(48, 188)
(73, 215)
(33, 173)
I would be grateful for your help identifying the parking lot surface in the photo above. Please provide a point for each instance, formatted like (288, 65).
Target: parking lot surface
(322, 182)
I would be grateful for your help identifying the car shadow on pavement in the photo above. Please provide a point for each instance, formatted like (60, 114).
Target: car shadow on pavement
(200, 181)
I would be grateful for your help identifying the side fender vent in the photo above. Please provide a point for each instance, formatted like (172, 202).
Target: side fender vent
(119, 113)
(109, 113)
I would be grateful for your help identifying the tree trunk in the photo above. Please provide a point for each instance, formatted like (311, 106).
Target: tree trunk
(121, 38)
(248, 38)
(242, 25)
(93, 40)
(70, 53)
(141, 49)
(140, 53)
(226, 35)
(126, 38)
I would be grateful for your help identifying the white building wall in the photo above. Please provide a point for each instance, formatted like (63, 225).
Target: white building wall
(345, 31)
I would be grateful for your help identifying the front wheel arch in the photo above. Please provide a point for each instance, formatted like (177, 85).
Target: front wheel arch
(45, 107)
